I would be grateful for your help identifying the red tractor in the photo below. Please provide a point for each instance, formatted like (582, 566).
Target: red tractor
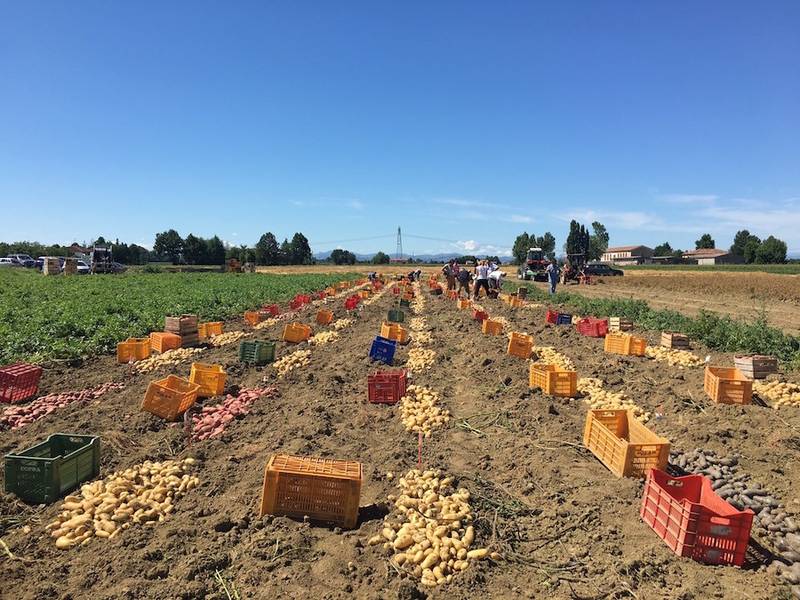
(534, 266)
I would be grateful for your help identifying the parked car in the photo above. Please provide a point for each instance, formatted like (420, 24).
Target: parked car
(23, 259)
(118, 267)
(601, 270)
(8, 262)
(83, 268)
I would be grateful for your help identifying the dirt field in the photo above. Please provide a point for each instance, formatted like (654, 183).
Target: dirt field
(566, 527)
(737, 294)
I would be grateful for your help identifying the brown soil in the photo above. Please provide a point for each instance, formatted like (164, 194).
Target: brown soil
(566, 526)
(739, 294)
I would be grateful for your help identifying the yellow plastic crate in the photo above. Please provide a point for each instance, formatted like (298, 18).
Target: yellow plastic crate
(553, 381)
(621, 343)
(520, 344)
(133, 349)
(210, 378)
(394, 331)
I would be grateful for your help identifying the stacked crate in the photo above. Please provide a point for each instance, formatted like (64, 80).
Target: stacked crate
(52, 266)
(619, 324)
(674, 340)
(70, 266)
(185, 327)
(756, 366)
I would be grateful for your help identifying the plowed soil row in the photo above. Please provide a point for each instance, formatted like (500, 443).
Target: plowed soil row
(566, 527)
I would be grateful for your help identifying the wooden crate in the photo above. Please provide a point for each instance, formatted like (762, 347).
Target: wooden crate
(322, 489)
(623, 343)
(553, 380)
(51, 266)
(185, 324)
(70, 266)
(727, 385)
(756, 366)
(670, 339)
(464, 304)
(619, 324)
(623, 444)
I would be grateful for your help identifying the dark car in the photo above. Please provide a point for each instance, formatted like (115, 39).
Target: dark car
(600, 270)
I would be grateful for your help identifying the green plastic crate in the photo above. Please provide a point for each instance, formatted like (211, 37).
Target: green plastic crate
(258, 352)
(396, 316)
(47, 471)
(405, 303)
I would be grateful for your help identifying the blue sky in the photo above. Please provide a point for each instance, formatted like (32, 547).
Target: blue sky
(465, 122)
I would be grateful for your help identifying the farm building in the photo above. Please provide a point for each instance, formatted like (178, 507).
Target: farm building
(628, 255)
(712, 256)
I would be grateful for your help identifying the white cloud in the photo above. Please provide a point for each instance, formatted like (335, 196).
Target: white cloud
(478, 248)
(355, 204)
(467, 203)
(519, 219)
(689, 198)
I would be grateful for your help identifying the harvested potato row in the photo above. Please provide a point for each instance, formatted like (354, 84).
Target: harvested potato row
(549, 356)
(295, 360)
(674, 357)
(601, 399)
(422, 337)
(374, 298)
(429, 532)
(780, 393)
(268, 323)
(224, 339)
(166, 358)
(340, 324)
(417, 324)
(420, 359)
(323, 337)
(142, 495)
(420, 410)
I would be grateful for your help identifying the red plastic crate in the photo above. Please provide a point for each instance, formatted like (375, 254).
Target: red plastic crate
(19, 381)
(480, 315)
(295, 304)
(693, 521)
(396, 290)
(551, 316)
(593, 327)
(273, 309)
(351, 302)
(386, 387)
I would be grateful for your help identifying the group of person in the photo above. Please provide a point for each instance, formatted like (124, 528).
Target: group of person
(485, 274)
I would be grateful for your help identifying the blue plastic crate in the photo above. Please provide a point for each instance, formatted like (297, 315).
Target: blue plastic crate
(383, 350)
(563, 319)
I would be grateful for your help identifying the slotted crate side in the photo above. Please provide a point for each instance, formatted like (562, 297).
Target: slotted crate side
(47, 471)
(259, 352)
(324, 317)
(563, 319)
(382, 350)
(19, 381)
(553, 381)
(619, 324)
(327, 493)
(727, 385)
(618, 343)
(551, 316)
(210, 378)
(693, 521)
(296, 332)
(396, 316)
(603, 443)
(161, 341)
(170, 397)
(756, 366)
(133, 349)
(520, 344)
(386, 387)
(490, 327)
(623, 444)
(393, 331)
(670, 339)
(181, 325)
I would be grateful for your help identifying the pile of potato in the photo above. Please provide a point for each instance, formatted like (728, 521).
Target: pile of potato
(212, 420)
(420, 410)
(295, 360)
(224, 339)
(323, 337)
(268, 323)
(780, 393)
(340, 324)
(549, 356)
(429, 531)
(168, 358)
(596, 396)
(142, 495)
(420, 359)
(679, 358)
(417, 324)
(422, 337)
(15, 417)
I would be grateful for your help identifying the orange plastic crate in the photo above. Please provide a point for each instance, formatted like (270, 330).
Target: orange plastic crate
(623, 444)
(727, 385)
(161, 341)
(516, 302)
(553, 381)
(170, 397)
(133, 349)
(394, 331)
(331, 291)
(207, 330)
(491, 327)
(364, 293)
(621, 343)
(464, 304)
(520, 344)
(296, 332)
(253, 317)
(324, 317)
(452, 295)
(325, 490)
(210, 378)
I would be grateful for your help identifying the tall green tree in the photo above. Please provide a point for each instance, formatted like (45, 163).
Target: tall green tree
(598, 241)
(520, 248)
(343, 257)
(705, 242)
(663, 250)
(301, 250)
(771, 251)
(547, 243)
(169, 244)
(194, 250)
(215, 251)
(381, 258)
(267, 250)
(286, 253)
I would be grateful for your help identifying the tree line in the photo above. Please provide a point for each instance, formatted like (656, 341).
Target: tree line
(195, 250)
(751, 248)
(579, 242)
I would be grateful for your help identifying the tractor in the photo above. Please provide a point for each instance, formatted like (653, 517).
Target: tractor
(534, 266)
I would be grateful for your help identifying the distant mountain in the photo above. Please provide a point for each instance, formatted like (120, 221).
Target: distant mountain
(436, 258)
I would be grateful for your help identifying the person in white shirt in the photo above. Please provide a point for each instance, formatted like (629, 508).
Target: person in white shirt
(496, 279)
(481, 278)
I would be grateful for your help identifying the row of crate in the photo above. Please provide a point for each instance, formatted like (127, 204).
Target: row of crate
(683, 511)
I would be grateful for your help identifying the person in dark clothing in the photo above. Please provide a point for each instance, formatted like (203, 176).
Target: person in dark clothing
(463, 282)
